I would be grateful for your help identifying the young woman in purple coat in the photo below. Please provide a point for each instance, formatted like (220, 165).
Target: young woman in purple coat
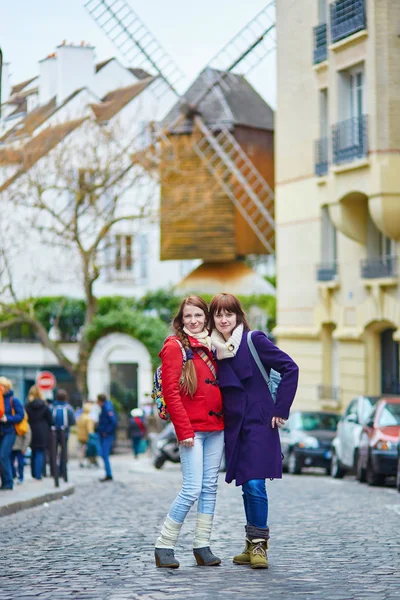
(252, 418)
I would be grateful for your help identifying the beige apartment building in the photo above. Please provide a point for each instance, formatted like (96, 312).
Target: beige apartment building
(338, 196)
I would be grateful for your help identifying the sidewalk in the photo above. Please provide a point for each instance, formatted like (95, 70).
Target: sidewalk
(33, 493)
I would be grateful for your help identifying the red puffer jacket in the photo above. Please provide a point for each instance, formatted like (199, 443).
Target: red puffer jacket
(190, 414)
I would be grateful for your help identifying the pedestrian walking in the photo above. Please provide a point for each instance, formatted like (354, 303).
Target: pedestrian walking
(84, 427)
(252, 445)
(194, 402)
(63, 418)
(40, 421)
(137, 431)
(106, 429)
(21, 444)
(11, 413)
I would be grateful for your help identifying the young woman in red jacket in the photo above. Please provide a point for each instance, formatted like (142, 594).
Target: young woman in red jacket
(194, 402)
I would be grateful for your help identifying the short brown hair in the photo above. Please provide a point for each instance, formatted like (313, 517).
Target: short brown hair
(62, 395)
(102, 398)
(231, 304)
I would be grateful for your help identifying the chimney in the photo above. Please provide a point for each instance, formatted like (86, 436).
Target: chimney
(47, 78)
(75, 69)
(5, 83)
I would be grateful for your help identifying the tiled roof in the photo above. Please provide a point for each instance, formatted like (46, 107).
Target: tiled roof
(33, 119)
(102, 64)
(139, 73)
(239, 104)
(20, 86)
(115, 101)
(36, 148)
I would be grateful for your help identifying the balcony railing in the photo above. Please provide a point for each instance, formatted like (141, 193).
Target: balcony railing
(347, 17)
(350, 139)
(320, 43)
(328, 392)
(321, 157)
(376, 268)
(327, 271)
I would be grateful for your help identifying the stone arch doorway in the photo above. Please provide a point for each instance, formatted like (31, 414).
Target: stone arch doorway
(122, 359)
(390, 380)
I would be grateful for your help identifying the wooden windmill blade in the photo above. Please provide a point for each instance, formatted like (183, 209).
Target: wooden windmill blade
(135, 42)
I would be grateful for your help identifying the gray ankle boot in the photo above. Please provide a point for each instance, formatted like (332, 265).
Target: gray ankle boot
(205, 558)
(165, 558)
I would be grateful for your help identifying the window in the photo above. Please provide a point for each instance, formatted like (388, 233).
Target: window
(390, 415)
(378, 245)
(366, 408)
(328, 247)
(323, 113)
(315, 421)
(357, 93)
(322, 11)
(123, 252)
(352, 93)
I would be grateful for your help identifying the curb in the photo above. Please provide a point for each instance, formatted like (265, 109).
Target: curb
(14, 507)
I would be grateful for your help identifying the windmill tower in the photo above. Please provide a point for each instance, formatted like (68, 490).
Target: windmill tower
(217, 202)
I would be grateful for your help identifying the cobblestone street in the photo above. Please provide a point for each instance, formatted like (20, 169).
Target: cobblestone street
(335, 540)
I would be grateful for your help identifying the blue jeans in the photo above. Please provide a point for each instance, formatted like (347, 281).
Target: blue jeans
(106, 445)
(200, 467)
(6, 443)
(37, 459)
(16, 455)
(255, 502)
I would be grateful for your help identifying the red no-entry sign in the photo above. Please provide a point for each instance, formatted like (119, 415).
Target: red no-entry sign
(46, 381)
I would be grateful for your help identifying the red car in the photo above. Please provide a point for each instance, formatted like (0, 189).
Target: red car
(378, 453)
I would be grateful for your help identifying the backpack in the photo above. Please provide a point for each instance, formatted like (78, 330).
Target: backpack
(274, 378)
(157, 393)
(60, 417)
(22, 427)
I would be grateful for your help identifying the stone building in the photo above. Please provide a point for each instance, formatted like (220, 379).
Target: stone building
(338, 196)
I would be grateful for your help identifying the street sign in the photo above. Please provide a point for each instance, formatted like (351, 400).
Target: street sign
(46, 381)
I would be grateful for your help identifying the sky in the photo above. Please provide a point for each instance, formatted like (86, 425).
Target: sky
(191, 32)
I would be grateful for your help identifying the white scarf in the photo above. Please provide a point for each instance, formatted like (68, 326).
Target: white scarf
(227, 349)
(203, 337)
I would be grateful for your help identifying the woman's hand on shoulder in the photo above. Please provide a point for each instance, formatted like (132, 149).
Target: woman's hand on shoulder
(278, 421)
(187, 443)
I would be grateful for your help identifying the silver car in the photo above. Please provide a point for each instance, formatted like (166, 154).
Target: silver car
(345, 445)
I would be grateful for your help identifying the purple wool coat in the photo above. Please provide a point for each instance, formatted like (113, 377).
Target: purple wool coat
(252, 446)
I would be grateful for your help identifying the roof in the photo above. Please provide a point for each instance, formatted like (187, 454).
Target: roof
(36, 148)
(31, 121)
(20, 86)
(103, 63)
(239, 104)
(139, 73)
(114, 101)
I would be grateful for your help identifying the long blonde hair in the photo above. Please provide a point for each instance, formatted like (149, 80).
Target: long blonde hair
(35, 393)
(189, 376)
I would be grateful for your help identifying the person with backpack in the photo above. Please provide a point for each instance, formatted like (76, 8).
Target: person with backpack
(63, 419)
(11, 414)
(245, 362)
(84, 428)
(193, 400)
(137, 431)
(40, 421)
(21, 444)
(106, 429)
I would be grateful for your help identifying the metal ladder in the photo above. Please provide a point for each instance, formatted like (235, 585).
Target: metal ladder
(135, 42)
(238, 177)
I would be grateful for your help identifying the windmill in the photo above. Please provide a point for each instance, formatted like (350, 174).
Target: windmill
(238, 200)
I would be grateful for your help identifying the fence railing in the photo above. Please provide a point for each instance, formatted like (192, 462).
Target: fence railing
(320, 43)
(376, 268)
(347, 17)
(350, 139)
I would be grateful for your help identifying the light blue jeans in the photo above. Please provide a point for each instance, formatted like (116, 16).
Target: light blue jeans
(200, 467)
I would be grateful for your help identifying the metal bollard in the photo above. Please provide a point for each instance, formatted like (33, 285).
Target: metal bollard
(53, 456)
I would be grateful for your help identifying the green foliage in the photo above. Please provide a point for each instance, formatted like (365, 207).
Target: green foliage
(151, 331)
(271, 279)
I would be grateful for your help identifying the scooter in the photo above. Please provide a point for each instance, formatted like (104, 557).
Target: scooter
(166, 447)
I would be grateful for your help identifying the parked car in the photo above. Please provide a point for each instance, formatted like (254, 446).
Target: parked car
(347, 439)
(306, 440)
(378, 454)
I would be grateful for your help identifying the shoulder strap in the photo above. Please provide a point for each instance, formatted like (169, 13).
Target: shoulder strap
(254, 354)
(182, 350)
